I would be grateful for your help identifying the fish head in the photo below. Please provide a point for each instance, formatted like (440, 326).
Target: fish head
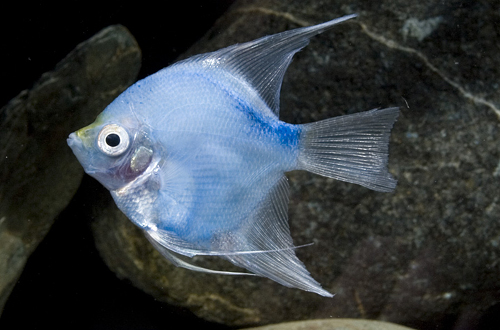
(113, 150)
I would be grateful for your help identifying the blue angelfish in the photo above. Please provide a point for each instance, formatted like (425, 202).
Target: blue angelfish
(195, 155)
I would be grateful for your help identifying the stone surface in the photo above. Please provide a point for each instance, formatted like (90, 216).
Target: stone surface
(333, 324)
(425, 255)
(38, 173)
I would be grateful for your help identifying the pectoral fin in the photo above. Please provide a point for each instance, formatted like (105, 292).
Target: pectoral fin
(176, 261)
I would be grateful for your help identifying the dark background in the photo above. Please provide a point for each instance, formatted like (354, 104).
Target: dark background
(35, 36)
(65, 283)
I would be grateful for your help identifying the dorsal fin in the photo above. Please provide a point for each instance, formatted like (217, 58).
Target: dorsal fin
(263, 62)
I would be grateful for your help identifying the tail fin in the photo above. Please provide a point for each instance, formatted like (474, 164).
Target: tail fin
(352, 148)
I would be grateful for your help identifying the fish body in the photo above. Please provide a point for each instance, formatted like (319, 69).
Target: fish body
(195, 155)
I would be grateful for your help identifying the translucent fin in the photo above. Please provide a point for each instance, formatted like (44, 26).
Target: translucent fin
(352, 148)
(267, 230)
(262, 244)
(263, 62)
(167, 254)
(224, 245)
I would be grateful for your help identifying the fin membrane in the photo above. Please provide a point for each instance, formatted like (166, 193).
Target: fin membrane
(263, 62)
(267, 230)
(352, 148)
(262, 244)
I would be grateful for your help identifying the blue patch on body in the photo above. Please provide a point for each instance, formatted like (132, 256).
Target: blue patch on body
(287, 134)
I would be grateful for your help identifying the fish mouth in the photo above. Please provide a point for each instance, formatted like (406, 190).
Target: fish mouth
(76, 145)
(73, 141)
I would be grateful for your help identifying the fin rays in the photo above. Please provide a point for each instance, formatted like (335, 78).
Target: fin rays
(263, 62)
(262, 244)
(352, 148)
(268, 229)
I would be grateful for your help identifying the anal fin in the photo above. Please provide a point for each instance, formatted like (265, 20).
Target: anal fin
(267, 230)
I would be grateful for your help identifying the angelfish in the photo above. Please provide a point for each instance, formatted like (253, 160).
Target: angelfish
(195, 155)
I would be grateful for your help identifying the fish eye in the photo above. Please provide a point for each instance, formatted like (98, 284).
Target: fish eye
(113, 140)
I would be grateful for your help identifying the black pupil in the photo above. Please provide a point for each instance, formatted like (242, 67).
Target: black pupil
(113, 140)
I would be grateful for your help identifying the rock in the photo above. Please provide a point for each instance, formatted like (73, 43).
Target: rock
(333, 324)
(38, 173)
(12, 260)
(425, 255)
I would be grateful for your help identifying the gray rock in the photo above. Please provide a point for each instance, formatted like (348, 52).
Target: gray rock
(424, 255)
(333, 324)
(38, 173)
